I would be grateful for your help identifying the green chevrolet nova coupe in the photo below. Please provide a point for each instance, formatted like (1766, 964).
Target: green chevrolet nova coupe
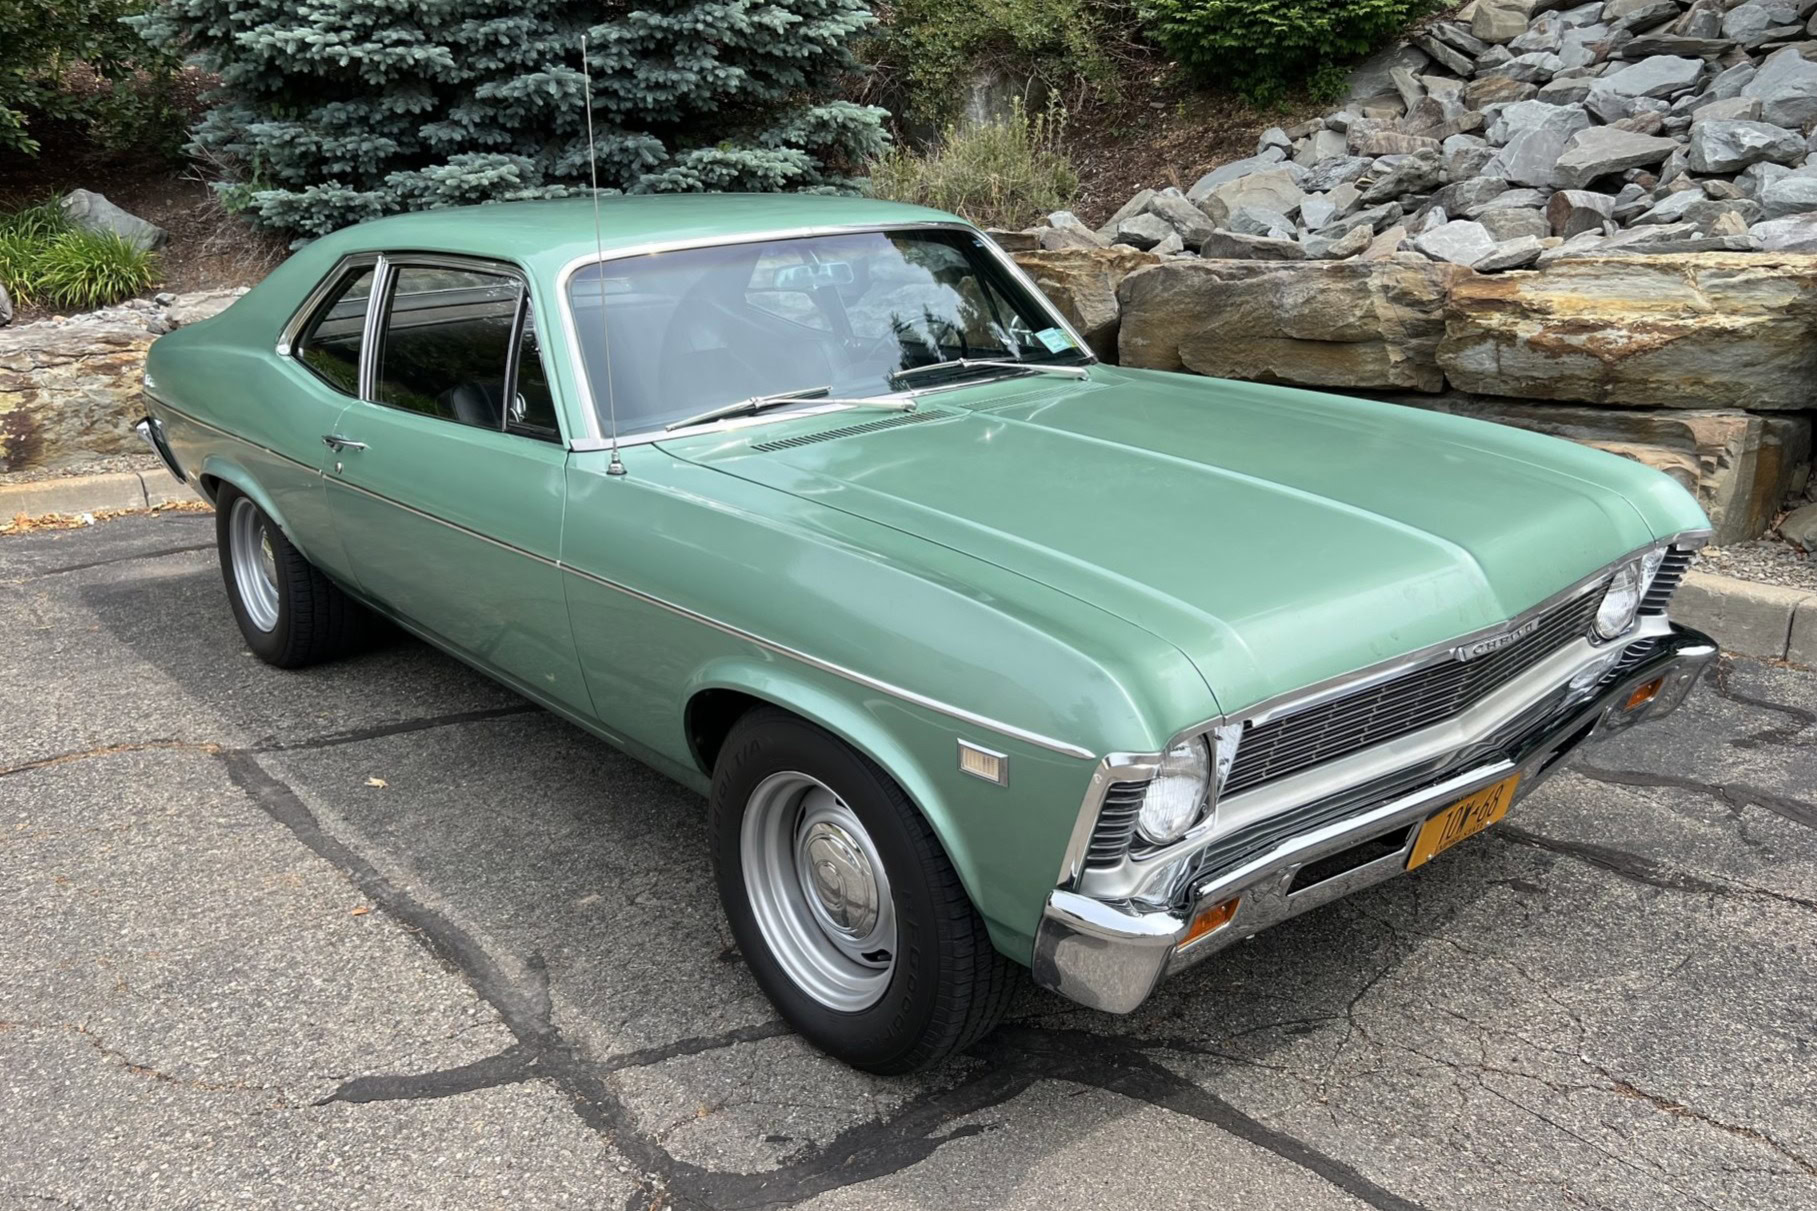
(985, 653)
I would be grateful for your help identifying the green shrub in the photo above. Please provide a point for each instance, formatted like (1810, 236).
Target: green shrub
(925, 48)
(1266, 48)
(129, 103)
(93, 268)
(335, 111)
(1007, 174)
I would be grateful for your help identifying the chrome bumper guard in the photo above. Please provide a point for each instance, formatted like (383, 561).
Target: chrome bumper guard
(152, 431)
(1111, 955)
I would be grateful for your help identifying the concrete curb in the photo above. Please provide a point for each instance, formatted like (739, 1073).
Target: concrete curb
(1750, 619)
(92, 494)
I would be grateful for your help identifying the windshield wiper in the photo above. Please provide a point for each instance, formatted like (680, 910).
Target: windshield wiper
(757, 403)
(969, 363)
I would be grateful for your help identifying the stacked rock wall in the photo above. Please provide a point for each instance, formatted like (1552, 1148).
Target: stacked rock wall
(1384, 246)
(69, 387)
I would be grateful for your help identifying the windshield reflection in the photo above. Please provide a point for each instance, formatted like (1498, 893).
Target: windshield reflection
(693, 330)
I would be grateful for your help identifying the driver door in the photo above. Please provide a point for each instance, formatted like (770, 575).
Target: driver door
(445, 479)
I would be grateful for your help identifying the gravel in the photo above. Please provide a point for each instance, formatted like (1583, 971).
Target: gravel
(1767, 560)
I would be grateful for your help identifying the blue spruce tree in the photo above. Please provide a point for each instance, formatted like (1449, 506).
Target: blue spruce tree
(336, 111)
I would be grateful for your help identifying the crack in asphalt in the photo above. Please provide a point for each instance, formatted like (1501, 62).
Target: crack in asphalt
(1720, 682)
(1638, 868)
(145, 1070)
(1736, 795)
(1012, 1061)
(269, 745)
(110, 750)
(401, 728)
(160, 553)
(1680, 1110)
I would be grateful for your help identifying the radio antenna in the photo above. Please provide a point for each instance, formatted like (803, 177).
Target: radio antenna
(599, 248)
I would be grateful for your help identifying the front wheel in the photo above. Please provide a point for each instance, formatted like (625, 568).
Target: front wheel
(843, 903)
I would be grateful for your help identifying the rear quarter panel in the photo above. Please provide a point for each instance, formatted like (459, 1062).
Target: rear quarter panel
(235, 411)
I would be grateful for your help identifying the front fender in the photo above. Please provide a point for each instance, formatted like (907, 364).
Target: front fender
(1005, 842)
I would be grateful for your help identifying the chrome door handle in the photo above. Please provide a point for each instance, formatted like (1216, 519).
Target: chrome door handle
(336, 442)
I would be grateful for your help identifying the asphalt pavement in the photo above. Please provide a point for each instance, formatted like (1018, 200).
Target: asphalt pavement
(382, 934)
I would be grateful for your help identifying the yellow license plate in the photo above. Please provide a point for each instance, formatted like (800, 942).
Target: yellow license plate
(1463, 819)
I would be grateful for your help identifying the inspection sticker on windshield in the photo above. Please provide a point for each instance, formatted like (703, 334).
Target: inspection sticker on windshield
(1055, 339)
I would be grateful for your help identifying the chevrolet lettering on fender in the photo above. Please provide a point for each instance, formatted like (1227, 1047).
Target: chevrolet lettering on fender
(986, 655)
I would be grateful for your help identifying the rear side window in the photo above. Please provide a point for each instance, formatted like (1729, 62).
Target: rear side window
(330, 345)
(447, 344)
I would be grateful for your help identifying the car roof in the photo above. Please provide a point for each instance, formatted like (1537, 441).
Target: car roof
(550, 234)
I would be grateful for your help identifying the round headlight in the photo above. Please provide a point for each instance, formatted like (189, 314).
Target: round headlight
(1620, 601)
(1177, 794)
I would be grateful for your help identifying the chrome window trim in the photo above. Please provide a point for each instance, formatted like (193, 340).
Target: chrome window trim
(372, 338)
(292, 330)
(595, 439)
(369, 338)
(1129, 767)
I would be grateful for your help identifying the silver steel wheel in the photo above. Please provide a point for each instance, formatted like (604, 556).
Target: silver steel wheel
(255, 564)
(819, 891)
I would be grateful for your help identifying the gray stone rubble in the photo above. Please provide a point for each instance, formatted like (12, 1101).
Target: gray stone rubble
(1665, 125)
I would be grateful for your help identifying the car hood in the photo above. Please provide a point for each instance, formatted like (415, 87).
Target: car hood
(1276, 537)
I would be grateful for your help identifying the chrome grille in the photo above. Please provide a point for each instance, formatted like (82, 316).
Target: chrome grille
(1400, 706)
(1116, 826)
(1672, 570)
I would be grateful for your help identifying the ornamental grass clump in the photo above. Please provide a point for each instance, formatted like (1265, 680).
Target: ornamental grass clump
(93, 268)
(1003, 174)
(46, 259)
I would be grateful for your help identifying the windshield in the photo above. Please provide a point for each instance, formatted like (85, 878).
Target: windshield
(697, 328)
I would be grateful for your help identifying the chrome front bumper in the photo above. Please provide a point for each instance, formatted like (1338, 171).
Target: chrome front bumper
(1110, 955)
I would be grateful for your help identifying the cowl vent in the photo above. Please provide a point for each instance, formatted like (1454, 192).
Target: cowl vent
(827, 435)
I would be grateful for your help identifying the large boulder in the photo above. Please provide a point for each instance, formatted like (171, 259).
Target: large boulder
(69, 387)
(1602, 150)
(1272, 189)
(1082, 283)
(1531, 155)
(1786, 86)
(1739, 465)
(1677, 331)
(93, 212)
(1730, 145)
(1356, 323)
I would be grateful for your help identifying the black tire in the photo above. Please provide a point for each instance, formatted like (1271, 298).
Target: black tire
(316, 621)
(949, 986)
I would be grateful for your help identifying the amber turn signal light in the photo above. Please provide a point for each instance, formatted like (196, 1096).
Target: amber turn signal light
(1644, 694)
(1210, 921)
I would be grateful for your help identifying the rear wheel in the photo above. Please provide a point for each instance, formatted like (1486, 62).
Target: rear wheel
(289, 613)
(843, 903)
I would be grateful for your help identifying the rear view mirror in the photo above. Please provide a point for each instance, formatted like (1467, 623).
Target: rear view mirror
(814, 276)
